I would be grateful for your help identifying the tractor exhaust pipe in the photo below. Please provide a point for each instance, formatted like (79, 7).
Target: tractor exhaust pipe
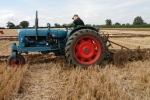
(36, 25)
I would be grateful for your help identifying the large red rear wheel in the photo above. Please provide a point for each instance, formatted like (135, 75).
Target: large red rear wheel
(87, 50)
(84, 48)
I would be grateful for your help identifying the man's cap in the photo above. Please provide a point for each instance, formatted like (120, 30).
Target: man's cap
(74, 15)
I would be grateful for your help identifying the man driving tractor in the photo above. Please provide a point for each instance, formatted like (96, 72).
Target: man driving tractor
(76, 22)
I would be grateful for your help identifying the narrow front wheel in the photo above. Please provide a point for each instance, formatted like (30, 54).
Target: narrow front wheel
(20, 61)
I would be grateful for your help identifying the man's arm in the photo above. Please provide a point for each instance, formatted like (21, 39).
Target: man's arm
(70, 25)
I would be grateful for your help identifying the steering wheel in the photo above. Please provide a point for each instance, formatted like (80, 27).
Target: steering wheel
(67, 28)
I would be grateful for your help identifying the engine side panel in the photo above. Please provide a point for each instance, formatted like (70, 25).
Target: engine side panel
(32, 32)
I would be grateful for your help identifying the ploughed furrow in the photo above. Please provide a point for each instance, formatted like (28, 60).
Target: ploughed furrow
(8, 36)
(40, 58)
(132, 36)
(10, 39)
(123, 33)
(110, 36)
(3, 57)
(37, 58)
(125, 36)
(119, 35)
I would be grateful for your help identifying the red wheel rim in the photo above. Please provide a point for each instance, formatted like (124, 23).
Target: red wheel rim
(15, 64)
(87, 50)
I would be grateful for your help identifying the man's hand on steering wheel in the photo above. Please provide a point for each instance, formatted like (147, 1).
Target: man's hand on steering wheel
(64, 25)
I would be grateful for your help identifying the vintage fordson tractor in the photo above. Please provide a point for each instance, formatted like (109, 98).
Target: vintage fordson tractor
(82, 46)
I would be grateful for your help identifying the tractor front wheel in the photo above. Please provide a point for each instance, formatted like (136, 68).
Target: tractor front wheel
(84, 48)
(20, 61)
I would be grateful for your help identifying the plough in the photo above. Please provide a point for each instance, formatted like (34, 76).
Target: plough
(124, 54)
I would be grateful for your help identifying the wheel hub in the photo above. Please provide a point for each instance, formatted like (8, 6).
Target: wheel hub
(87, 50)
(14, 64)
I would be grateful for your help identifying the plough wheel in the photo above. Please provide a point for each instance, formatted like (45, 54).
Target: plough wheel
(120, 57)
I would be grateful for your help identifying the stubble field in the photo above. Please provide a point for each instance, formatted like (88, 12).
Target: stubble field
(48, 77)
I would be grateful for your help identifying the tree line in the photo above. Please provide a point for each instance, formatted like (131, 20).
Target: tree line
(137, 23)
(23, 24)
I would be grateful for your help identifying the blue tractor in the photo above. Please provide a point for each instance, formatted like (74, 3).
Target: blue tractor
(82, 46)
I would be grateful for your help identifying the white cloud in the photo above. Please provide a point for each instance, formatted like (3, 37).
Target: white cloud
(92, 12)
(6, 16)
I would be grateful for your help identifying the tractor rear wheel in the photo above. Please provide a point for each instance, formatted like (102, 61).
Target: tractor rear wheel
(20, 61)
(84, 48)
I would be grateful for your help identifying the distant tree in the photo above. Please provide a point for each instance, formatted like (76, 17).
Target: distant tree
(24, 24)
(108, 22)
(88, 25)
(138, 21)
(57, 25)
(10, 25)
(127, 24)
(117, 23)
(123, 24)
(145, 23)
(2, 27)
(17, 26)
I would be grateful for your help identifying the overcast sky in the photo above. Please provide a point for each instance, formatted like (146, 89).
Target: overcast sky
(61, 11)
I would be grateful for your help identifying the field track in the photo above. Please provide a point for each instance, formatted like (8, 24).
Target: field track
(31, 58)
(51, 58)
(9, 38)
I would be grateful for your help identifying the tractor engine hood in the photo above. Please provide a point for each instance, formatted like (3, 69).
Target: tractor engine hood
(32, 32)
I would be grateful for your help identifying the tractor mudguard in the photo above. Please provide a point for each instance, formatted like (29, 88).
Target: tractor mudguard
(83, 27)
